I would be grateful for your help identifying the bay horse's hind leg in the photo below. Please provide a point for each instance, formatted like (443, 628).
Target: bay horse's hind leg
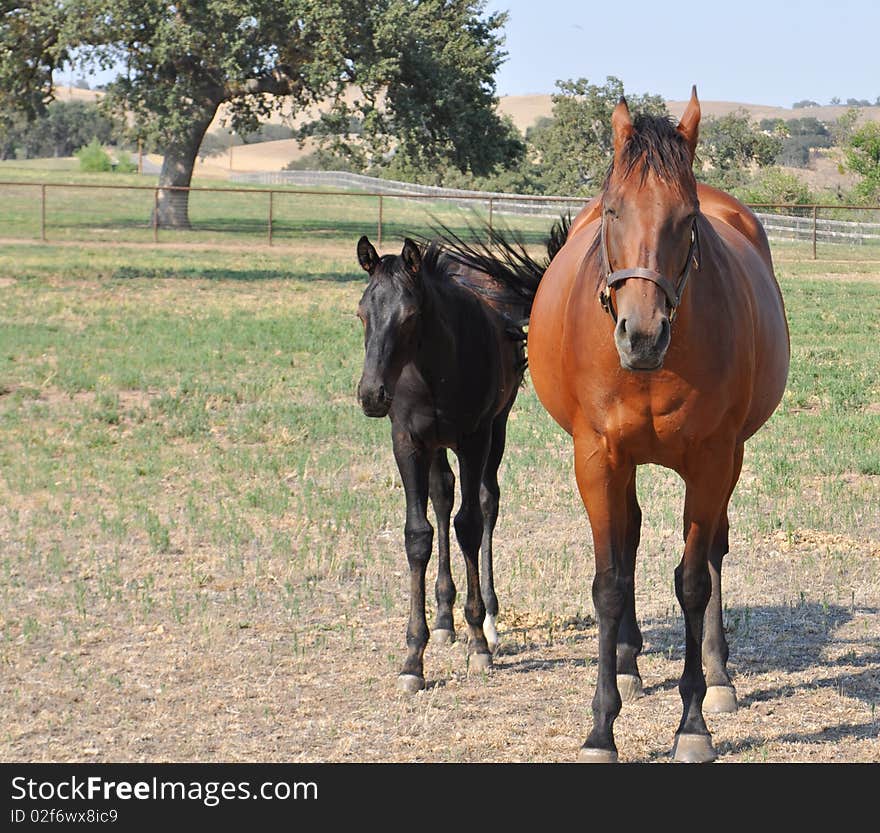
(629, 637)
(489, 498)
(472, 454)
(720, 692)
(414, 466)
(441, 487)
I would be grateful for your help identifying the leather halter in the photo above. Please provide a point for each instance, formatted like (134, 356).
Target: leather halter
(672, 291)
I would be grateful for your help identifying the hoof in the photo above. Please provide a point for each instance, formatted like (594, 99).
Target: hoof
(479, 662)
(586, 755)
(442, 636)
(490, 632)
(630, 687)
(410, 683)
(693, 749)
(720, 699)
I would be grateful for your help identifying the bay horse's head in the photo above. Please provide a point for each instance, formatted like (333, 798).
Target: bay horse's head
(648, 235)
(389, 309)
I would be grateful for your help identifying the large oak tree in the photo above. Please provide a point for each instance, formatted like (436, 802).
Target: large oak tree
(423, 71)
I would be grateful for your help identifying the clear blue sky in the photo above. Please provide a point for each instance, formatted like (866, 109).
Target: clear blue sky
(753, 52)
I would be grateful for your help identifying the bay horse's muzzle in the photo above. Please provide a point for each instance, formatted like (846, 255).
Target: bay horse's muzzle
(642, 342)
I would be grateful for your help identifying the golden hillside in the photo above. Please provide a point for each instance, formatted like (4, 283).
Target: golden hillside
(524, 110)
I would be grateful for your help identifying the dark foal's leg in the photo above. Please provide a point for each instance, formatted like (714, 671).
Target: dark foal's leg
(720, 692)
(414, 465)
(441, 487)
(603, 483)
(629, 637)
(472, 453)
(706, 494)
(489, 498)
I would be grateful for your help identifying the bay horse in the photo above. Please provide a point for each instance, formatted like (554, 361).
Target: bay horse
(658, 335)
(444, 359)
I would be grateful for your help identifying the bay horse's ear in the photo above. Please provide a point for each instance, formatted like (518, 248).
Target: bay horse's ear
(412, 256)
(367, 256)
(621, 126)
(689, 126)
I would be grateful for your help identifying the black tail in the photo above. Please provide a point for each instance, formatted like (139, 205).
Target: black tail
(514, 273)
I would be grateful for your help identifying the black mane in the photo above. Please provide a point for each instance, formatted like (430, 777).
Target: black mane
(658, 147)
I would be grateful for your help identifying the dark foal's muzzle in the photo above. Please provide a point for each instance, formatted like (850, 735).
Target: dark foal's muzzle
(374, 398)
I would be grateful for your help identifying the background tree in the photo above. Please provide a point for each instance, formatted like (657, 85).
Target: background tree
(574, 148)
(799, 137)
(732, 144)
(30, 49)
(843, 128)
(862, 156)
(64, 127)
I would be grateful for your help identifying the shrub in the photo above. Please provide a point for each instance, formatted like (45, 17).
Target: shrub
(92, 157)
(124, 163)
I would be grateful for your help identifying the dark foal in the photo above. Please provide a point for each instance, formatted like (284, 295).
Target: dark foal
(444, 360)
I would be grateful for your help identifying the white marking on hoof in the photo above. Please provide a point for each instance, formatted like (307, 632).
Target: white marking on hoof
(442, 636)
(586, 755)
(720, 699)
(630, 687)
(693, 749)
(490, 632)
(410, 683)
(479, 662)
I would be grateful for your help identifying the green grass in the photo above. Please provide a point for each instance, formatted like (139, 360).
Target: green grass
(91, 207)
(180, 420)
(87, 207)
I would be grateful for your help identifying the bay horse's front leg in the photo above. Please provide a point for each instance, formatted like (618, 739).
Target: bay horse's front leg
(629, 637)
(602, 481)
(472, 454)
(707, 483)
(414, 465)
(442, 491)
(720, 692)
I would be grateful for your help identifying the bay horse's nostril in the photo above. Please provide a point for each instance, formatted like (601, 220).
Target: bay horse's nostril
(622, 324)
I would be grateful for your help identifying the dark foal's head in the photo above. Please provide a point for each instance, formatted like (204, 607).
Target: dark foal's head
(649, 211)
(390, 311)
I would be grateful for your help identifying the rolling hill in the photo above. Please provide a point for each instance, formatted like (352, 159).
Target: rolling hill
(524, 110)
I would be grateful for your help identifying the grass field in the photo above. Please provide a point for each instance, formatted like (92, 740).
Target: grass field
(202, 551)
(70, 206)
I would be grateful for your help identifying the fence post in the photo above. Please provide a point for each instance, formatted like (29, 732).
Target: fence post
(491, 207)
(43, 213)
(379, 230)
(814, 232)
(156, 216)
(271, 199)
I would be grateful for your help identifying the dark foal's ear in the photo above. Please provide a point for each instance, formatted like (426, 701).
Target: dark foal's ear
(412, 256)
(367, 256)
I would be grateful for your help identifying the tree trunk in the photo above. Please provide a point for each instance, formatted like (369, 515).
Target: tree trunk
(177, 168)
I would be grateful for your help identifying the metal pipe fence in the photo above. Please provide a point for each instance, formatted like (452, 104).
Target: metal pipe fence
(108, 213)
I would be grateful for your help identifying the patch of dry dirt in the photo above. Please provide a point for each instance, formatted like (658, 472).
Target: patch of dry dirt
(320, 685)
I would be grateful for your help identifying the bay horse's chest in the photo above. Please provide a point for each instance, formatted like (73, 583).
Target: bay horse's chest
(656, 417)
